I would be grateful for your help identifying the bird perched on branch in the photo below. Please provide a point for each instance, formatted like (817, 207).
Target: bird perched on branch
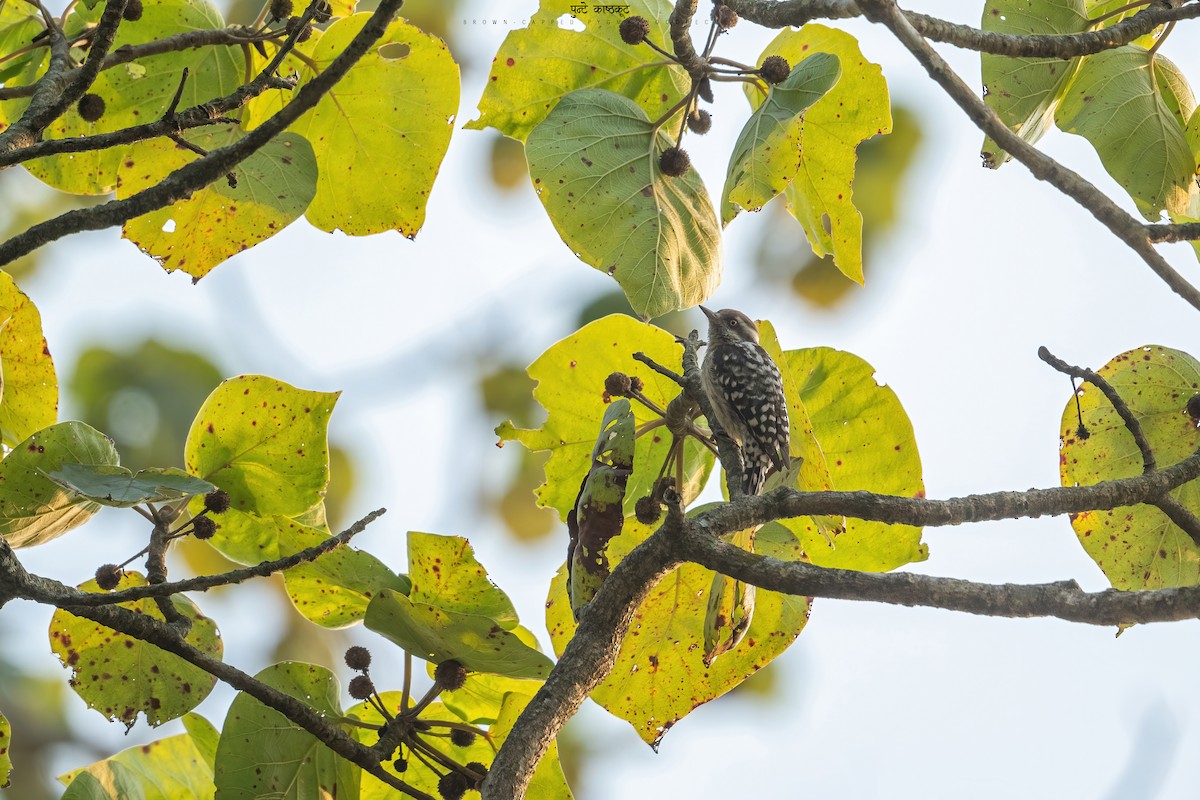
(745, 390)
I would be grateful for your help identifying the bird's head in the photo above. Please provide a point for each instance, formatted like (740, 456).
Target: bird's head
(728, 325)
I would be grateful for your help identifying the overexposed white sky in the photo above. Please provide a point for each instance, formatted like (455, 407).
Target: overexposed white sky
(874, 701)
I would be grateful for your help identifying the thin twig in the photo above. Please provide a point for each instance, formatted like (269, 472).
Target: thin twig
(206, 582)
(1131, 422)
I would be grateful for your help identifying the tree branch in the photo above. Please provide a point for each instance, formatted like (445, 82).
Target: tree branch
(589, 656)
(780, 14)
(1123, 226)
(584, 664)
(1149, 464)
(1062, 600)
(59, 87)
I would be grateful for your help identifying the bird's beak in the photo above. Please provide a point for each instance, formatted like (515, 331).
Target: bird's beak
(712, 317)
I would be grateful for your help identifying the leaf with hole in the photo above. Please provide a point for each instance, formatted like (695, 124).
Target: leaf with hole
(538, 65)
(380, 134)
(266, 193)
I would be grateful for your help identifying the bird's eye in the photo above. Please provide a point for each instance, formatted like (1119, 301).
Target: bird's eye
(733, 323)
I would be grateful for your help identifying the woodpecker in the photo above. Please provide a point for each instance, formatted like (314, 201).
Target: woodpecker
(745, 390)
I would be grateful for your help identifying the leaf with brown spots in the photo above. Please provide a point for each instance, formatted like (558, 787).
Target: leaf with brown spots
(1137, 547)
(33, 508)
(445, 573)
(28, 385)
(263, 754)
(570, 386)
(274, 187)
(537, 66)
(264, 442)
(659, 676)
(598, 516)
(821, 196)
(868, 444)
(120, 676)
(5, 746)
(176, 768)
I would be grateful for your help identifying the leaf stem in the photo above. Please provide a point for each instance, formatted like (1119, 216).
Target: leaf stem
(1121, 10)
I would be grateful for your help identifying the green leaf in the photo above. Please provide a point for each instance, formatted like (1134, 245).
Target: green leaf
(767, 155)
(868, 444)
(444, 573)
(570, 386)
(133, 93)
(821, 197)
(17, 29)
(33, 508)
(418, 775)
(263, 754)
(594, 164)
(204, 736)
(121, 488)
(28, 386)
(598, 514)
(437, 635)
(272, 189)
(175, 768)
(548, 781)
(5, 744)
(380, 134)
(119, 675)
(1116, 99)
(1024, 92)
(537, 66)
(659, 675)
(264, 442)
(334, 590)
(1137, 547)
